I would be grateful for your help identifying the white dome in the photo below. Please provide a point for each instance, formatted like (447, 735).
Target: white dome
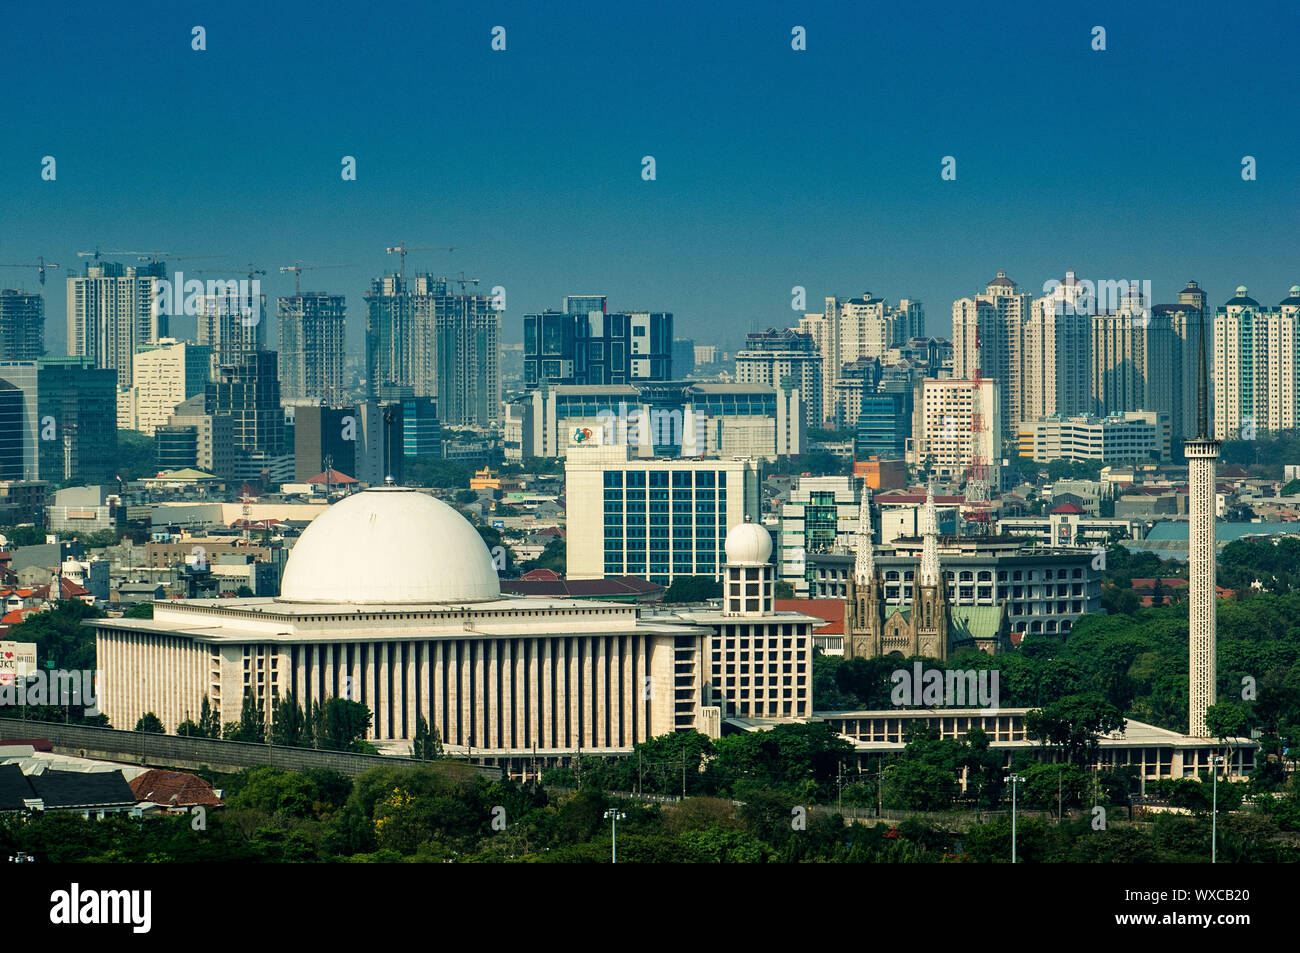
(748, 544)
(390, 545)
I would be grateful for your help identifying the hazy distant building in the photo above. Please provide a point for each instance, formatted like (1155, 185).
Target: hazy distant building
(850, 329)
(111, 315)
(247, 390)
(439, 344)
(683, 362)
(22, 326)
(312, 345)
(324, 437)
(597, 347)
(1136, 362)
(1055, 349)
(788, 359)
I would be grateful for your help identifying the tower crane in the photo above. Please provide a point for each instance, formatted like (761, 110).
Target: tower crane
(40, 266)
(402, 248)
(463, 281)
(298, 268)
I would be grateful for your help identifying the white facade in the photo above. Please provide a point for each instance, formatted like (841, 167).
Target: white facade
(943, 427)
(1256, 366)
(1137, 435)
(110, 318)
(164, 377)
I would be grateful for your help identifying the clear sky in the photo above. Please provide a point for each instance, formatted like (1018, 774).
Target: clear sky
(775, 168)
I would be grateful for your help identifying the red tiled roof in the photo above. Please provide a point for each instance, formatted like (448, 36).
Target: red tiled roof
(830, 610)
(337, 478)
(174, 789)
(536, 574)
(1067, 508)
(71, 590)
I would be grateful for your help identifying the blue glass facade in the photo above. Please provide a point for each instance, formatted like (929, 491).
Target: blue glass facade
(664, 523)
(884, 424)
(596, 348)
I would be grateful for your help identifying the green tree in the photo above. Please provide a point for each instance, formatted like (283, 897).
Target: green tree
(142, 610)
(243, 592)
(684, 589)
(782, 590)
(466, 496)
(209, 720)
(151, 723)
(252, 720)
(427, 745)
(1074, 724)
(1225, 720)
(289, 723)
(346, 724)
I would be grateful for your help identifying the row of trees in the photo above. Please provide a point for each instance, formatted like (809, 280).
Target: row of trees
(336, 724)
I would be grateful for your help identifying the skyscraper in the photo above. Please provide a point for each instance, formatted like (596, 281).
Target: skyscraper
(1136, 361)
(111, 314)
(78, 428)
(1055, 349)
(247, 390)
(312, 345)
(439, 344)
(988, 338)
(850, 329)
(1256, 366)
(1202, 452)
(22, 326)
(165, 375)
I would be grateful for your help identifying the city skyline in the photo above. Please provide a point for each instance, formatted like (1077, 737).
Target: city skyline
(744, 206)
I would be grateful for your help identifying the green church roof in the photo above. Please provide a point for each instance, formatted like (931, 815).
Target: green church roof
(976, 622)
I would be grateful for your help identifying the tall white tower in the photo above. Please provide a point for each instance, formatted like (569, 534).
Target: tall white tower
(1202, 451)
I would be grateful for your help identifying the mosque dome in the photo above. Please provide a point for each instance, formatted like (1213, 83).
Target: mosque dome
(390, 545)
(748, 544)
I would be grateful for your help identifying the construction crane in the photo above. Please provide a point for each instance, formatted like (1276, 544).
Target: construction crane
(403, 248)
(298, 268)
(462, 281)
(40, 266)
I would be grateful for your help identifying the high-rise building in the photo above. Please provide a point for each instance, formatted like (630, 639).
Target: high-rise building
(852, 329)
(78, 438)
(786, 359)
(312, 345)
(13, 463)
(884, 423)
(247, 390)
(820, 517)
(659, 519)
(441, 345)
(1256, 366)
(22, 326)
(1055, 348)
(683, 362)
(165, 375)
(112, 314)
(25, 449)
(988, 339)
(955, 426)
(596, 347)
(1202, 452)
(1136, 360)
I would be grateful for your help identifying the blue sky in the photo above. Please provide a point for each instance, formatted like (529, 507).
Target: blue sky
(775, 168)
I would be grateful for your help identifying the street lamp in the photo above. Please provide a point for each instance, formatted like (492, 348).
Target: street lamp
(1014, 779)
(614, 816)
(1215, 760)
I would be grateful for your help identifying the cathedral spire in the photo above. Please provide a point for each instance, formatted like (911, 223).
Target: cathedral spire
(929, 574)
(864, 560)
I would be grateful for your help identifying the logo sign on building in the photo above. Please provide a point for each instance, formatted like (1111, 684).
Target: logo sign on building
(581, 435)
(17, 659)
